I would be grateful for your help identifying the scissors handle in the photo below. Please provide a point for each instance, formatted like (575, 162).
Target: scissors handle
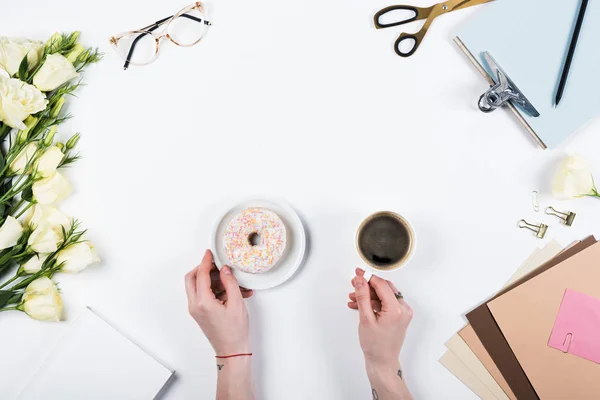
(419, 13)
(416, 38)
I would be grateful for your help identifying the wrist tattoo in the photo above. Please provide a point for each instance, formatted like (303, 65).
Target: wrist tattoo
(220, 366)
(375, 395)
(400, 373)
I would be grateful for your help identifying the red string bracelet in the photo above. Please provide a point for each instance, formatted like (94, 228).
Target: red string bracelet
(235, 355)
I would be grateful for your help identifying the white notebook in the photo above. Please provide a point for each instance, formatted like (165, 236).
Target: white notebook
(95, 361)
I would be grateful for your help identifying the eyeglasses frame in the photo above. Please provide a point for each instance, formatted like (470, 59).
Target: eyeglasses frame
(148, 30)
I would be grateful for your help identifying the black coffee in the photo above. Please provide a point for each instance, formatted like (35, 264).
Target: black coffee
(385, 241)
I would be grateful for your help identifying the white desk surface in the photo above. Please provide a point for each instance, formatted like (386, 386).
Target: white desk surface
(308, 102)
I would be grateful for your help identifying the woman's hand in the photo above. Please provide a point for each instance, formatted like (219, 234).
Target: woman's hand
(215, 301)
(384, 320)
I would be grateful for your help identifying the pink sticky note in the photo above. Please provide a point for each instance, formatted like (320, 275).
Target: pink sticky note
(577, 327)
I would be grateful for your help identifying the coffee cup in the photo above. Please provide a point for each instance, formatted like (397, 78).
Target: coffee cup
(385, 241)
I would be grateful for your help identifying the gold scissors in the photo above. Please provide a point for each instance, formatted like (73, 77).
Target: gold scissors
(429, 14)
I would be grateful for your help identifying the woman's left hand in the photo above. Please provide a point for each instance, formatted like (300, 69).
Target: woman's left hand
(215, 301)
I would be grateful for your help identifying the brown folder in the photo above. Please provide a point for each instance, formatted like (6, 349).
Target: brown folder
(526, 316)
(490, 335)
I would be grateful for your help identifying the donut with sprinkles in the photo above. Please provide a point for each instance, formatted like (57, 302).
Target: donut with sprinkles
(255, 240)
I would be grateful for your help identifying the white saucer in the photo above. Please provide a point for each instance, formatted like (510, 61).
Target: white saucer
(292, 258)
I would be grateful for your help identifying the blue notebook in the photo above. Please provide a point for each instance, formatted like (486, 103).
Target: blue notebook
(529, 39)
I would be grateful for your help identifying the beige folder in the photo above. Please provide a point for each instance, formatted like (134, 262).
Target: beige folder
(474, 356)
(466, 376)
(526, 316)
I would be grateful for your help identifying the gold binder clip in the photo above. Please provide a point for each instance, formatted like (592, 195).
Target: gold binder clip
(566, 217)
(540, 230)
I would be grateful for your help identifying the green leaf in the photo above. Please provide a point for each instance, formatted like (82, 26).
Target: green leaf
(15, 299)
(2, 210)
(24, 69)
(27, 194)
(5, 297)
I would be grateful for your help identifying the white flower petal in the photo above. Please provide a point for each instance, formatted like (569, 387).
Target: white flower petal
(77, 257)
(18, 100)
(10, 232)
(50, 215)
(45, 239)
(34, 264)
(55, 71)
(573, 179)
(52, 189)
(49, 161)
(42, 301)
(25, 156)
(14, 50)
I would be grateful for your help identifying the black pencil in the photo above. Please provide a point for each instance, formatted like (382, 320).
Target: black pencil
(567, 67)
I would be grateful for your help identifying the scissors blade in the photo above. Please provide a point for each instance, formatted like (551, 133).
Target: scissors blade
(469, 3)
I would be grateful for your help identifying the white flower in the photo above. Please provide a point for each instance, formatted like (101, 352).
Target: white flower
(14, 50)
(77, 256)
(50, 215)
(573, 179)
(10, 232)
(55, 71)
(46, 165)
(45, 238)
(52, 189)
(34, 264)
(20, 162)
(42, 301)
(3, 73)
(18, 100)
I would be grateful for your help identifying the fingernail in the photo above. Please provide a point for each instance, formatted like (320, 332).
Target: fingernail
(226, 270)
(359, 282)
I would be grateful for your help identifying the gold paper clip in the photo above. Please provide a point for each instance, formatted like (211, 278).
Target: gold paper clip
(540, 230)
(566, 217)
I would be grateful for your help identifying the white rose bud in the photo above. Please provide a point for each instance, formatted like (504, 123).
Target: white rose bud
(14, 50)
(50, 215)
(34, 264)
(76, 52)
(10, 232)
(49, 161)
(573, 179)
(77, 257)
(42, 301)
(23, 158)
(30, 122)
(18, 100)
(52, 189)
(45, 238)
(55, 71)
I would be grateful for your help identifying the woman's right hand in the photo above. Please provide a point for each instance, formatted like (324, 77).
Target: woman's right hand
(384, 319)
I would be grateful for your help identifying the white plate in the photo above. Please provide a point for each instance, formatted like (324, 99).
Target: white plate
(290, 261)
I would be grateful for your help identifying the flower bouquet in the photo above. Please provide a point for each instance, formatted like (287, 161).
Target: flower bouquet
(36, 239)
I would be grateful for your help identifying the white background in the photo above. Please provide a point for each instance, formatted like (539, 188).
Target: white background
(308, 102)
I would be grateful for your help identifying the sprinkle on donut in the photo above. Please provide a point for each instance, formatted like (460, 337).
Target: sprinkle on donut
(255, 240)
